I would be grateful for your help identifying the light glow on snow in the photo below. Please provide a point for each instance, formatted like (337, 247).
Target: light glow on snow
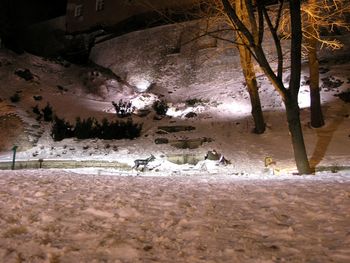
(142, 85)
(144, 101)
(237, 108)
(304, 99)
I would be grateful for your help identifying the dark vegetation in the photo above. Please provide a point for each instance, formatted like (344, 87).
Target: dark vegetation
(24, 74)
(15, 98)
(331, 83)
(122, 108)
(193, 102)
(88, 128)
(91, 128)
(160, 107)
(46, 112)
(344, 96)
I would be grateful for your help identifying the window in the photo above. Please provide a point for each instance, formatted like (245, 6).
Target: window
(78, 11)
(100, 5)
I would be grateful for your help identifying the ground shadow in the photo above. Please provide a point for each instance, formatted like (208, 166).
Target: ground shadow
(325, 135)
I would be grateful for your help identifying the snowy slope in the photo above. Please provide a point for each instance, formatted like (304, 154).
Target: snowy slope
(223, 115)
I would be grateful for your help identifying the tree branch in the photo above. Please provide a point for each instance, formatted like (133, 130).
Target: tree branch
(276, 40)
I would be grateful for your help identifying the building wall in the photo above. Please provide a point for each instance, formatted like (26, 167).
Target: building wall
(45, 38)
(114, 11)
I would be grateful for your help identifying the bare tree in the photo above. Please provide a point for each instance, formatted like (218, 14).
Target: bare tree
(318, 15)
(248, 69)
(290, 94)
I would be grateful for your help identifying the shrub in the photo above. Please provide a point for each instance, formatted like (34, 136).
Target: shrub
(193, 102)
(61, 129)
(344, 96)
(36, 110)
(84, 128)
(24, 74)
(91, 128)
(15, 98)
(160, 107)
(123, 108)
(47, 112)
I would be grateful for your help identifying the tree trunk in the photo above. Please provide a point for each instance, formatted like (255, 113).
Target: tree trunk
(300, 155)
(249, 72)
(315, 99)
(291, 99)
(252, 86)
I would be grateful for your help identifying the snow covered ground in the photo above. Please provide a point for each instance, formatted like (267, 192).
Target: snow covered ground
(58, 216)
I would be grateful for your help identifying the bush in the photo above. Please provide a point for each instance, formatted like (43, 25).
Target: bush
(47, 112)
(15, 98)
(36, 110)
(24, 74)
(85, 129)
(91, 128)
(193, 102)
(61, 129)
(160, 107)
(123, 108)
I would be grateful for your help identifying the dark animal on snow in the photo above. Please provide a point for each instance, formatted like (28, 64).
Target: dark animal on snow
(143, 162)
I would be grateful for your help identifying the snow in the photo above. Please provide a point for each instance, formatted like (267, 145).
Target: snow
(204, 212)
(74, 217)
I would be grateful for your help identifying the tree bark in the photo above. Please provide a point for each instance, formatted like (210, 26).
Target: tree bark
(249, 72)
(293, 118)
(252, 86)
(291, 101)
(317, 119)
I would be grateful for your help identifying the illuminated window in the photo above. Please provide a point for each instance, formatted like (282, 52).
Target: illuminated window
(100, 5)
(78, 11)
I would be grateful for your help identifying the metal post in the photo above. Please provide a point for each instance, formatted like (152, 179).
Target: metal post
(14, 148)
(41, 163)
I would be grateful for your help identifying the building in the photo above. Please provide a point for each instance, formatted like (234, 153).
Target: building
(83, 15)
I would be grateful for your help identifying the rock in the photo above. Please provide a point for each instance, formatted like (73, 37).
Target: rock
(157, 117)
(62, 88)
(191, 115)
(344, 96)
(161, 132)
(185, 158)
(38, 97)
(323, 70)
(24, 74)
(161, 141)
(331, 83)
(177, 128)
(141, 112)
(189, 143)
(212, 155)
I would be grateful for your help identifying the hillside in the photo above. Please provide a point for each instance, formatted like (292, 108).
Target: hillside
(180, 208)
(220, 116)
